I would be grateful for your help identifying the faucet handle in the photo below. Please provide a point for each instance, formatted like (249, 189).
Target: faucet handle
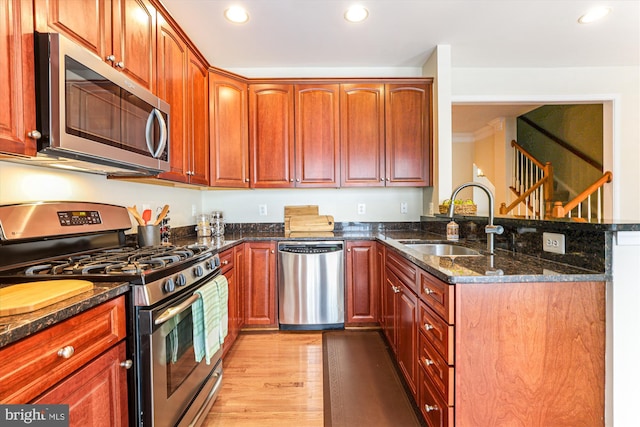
(494, 229)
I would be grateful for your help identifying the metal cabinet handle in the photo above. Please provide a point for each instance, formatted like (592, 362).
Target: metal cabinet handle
(246, 180)
(127, 364)
(34, 134)
(225, 262)
(428, 290)
(272, 251)
(66, 352)
(428, 326)
(111, 58)
(120, 65)
(291, 180)
(429, 408)
(349, 250)
(395, 289)
(427, 362)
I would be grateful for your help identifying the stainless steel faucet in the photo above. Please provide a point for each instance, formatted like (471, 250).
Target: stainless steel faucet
(490, 229)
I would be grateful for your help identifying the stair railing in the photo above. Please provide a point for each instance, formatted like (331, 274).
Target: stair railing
(584, 198)
(532, 182)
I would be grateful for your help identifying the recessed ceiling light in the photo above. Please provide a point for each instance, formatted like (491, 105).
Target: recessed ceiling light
(594, 14)
(236, 14)
(356, 14)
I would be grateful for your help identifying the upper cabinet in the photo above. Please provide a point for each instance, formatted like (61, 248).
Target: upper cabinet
(18, 112)
(229, 160)
(121, 32)
(271, 135)
(408, 134)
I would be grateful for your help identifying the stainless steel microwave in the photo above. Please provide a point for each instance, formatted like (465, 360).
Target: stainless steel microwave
(91, 117)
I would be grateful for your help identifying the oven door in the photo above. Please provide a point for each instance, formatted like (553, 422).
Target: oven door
(176, 390)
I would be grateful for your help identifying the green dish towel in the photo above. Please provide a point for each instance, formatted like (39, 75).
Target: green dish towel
(223, 295)
(206, 312)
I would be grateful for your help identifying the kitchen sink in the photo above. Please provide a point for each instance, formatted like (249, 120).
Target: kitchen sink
(441, 249)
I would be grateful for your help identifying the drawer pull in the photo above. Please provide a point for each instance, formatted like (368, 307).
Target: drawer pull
(428, 326)
(395, 289)
(429, 408)
(428, 290)
(66, 352)
(127, 364)
(427, 362)
(225, 262)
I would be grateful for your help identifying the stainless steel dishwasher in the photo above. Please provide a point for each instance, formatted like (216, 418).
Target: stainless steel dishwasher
(311, 285)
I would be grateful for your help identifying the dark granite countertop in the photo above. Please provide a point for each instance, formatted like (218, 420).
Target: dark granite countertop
(15, 327)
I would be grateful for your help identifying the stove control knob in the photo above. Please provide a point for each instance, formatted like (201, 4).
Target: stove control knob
(181, 280)
(198, 271)
(169, 285)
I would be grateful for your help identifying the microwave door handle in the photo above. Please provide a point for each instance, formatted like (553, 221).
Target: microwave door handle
(174, 311)
(163, 133)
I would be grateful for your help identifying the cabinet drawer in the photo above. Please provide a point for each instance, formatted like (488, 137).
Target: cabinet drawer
(432, 406)
(34, 364)
(436, 368)
(439, 334)
(226, 260)
(438, 295)
(405, 271)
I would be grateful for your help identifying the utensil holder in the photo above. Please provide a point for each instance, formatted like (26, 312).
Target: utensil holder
(148, 235)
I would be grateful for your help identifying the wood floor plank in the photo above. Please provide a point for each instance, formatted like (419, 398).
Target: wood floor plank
(271, 379)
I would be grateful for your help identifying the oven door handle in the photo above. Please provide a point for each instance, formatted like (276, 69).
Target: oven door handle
(174, 311)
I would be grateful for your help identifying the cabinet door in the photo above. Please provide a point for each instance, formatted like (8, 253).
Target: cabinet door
(389, 318)
(229, 132)
(271, 135)
(88, 23)
(406, 318)
(134, 40)
(362, 283)
(362, 135)
(17, 115)
(408, 134)
(260, 284)
(172, 87)
(317, 135)
(198, 120)
(97, 393)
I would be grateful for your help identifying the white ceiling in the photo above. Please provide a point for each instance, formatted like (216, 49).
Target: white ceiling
(403, 33)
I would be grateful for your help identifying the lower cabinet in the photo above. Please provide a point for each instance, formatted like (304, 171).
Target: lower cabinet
(362, 283)
(231, 262)
(80, 361)
(260, 284)
(97, 393)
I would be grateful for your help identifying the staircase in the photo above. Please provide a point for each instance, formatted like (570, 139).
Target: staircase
(533, 187)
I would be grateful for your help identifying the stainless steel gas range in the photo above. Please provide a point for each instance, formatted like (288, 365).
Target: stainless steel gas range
(64, 240)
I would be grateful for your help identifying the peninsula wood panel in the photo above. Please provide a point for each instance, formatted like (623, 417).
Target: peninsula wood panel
(271, 137)
(229, 131)
(535, 352)
(362, 135)
(317, 135)
(18, 112)
(363, 288)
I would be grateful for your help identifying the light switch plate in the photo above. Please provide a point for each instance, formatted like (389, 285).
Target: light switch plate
(553, 242)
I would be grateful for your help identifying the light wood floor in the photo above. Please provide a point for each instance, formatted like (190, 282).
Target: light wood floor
(271, 379)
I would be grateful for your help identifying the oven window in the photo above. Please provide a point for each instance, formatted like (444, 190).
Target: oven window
(180, 357)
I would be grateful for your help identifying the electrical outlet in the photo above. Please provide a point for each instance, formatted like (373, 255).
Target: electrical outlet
(404, 208)
(262, 209)
(362, 209)
(553, 242)
(194, 210)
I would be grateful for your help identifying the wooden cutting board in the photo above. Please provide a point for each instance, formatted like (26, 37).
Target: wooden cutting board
(311, 223)
(289, 211)
(27, 297)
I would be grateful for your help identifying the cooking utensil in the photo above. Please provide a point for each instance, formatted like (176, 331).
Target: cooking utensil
(161, 215)
(134, 212)
(146, 216)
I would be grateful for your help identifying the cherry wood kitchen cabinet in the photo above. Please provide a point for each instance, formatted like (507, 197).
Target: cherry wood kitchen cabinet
(381, 254)
(362, 135)
(231, 266)
(408, 134)
(96, 394)
(121, 32)
(229, 131)
(260, 284)
(183, 83)
(363, 286)
(317, 135)
(271, 137)
(18, 112)
(51, 359)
